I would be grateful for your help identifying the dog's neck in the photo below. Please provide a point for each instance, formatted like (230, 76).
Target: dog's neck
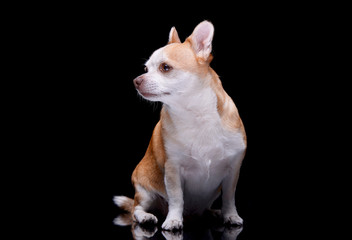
(199, 104)
(208, 103)
(200, 101)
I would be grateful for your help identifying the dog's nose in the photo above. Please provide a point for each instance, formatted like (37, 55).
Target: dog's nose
(138, 81)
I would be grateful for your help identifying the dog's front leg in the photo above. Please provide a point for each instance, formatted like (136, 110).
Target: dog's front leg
(229, 183)
(175, 197)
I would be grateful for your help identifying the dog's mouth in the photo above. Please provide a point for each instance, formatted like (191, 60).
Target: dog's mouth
(152, 95)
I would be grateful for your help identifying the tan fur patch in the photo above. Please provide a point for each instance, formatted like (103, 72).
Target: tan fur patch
(226, 107)
(182, 56)
(149, 173)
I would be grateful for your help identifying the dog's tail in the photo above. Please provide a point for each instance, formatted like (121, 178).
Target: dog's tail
(124, 203)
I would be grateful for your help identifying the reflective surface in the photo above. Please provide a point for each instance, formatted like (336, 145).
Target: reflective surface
(202, 228)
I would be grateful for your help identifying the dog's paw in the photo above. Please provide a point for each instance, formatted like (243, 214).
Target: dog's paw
(233, 219)
(143, 217)
(231, 233)
(168, 235)
(142, 231)
(172, 224)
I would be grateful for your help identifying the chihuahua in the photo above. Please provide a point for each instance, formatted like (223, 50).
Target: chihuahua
(196, 149)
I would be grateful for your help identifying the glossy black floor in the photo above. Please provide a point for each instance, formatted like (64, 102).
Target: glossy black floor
(190, 233)
(267, 215)
(201, 229)
(255, 227)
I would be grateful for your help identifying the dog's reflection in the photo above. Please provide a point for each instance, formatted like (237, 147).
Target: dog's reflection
(190, 232)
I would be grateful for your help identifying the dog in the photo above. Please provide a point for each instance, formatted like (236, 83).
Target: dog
(196, 149)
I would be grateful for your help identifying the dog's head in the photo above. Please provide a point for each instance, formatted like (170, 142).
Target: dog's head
(178, 68)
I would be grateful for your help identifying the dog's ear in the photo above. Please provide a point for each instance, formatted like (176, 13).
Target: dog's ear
(201, 39)
(173, 36)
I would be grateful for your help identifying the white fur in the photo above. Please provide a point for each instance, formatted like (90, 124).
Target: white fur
(202, 148)
(165, 87)
(120, 200)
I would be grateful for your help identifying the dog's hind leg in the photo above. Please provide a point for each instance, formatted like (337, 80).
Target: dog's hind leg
(143, 201)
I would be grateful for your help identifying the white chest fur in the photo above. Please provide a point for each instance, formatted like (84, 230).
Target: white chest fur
(197, 132)
(203, 149)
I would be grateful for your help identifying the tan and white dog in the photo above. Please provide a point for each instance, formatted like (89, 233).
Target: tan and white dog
(197, 147)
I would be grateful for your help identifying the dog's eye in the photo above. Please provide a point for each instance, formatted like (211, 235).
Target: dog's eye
(146, 69)
(164, 67)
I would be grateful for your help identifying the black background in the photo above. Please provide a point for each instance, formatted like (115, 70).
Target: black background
(264, 55)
